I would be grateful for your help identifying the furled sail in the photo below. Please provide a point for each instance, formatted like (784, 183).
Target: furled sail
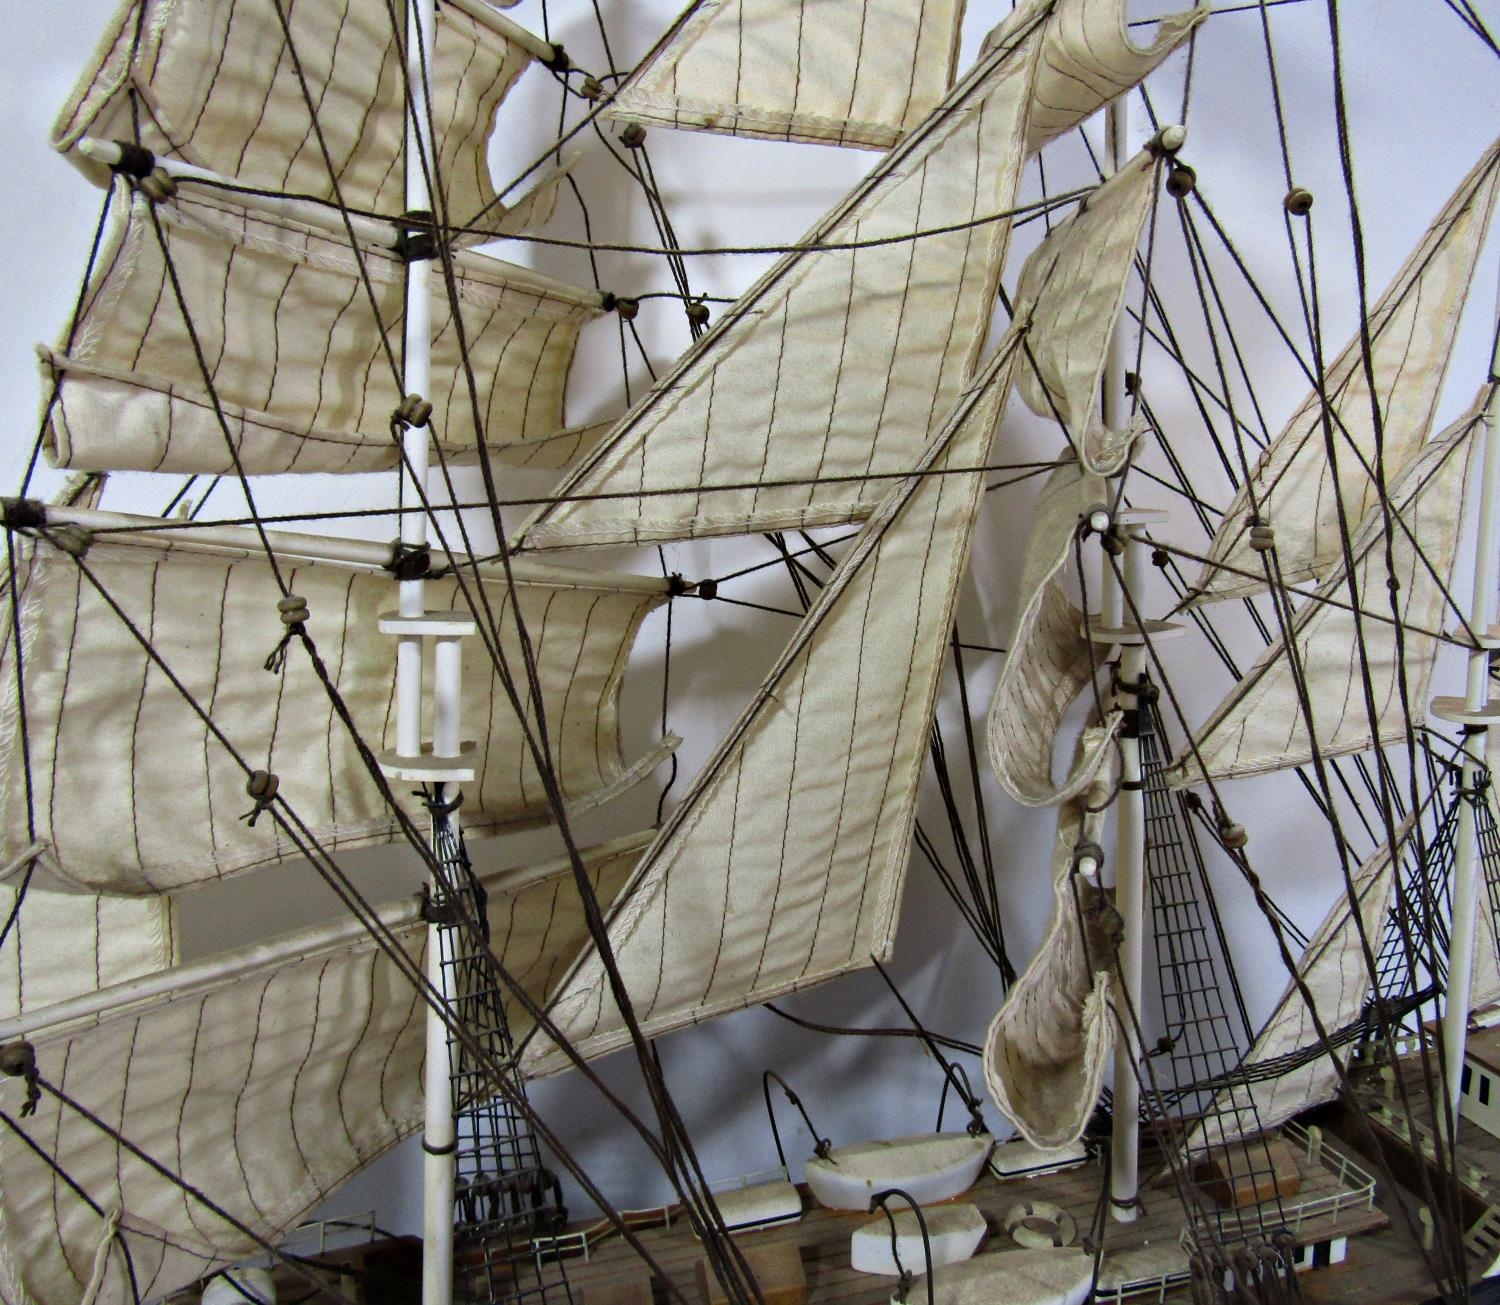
(134, 793)
(1047, 1047)
(762, 418)
(1089, 59)
(794, 839)
(292, 349)
(1072, 291)
(264, 1079)
(1412, 326)
(1048, 660)
(1337, 978)
(216, 85)
(1261, 725)
(850, 72)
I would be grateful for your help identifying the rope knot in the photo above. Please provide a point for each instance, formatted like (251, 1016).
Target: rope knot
(18, 1060)
(262, 786)
(294, 615)
(697, 312)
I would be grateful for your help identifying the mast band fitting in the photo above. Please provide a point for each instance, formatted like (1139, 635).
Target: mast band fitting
(416, 242)
(447, 1149)
(134, 161)
(409, 561)
(436, 912)
(24, 513)
(1132, 785)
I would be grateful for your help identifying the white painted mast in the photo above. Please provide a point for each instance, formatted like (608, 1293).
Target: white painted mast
(1475, 710)
(1122, 624)
(1129, 817)
(412, 625)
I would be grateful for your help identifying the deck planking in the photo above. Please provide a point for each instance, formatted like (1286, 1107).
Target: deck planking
(822, 1237)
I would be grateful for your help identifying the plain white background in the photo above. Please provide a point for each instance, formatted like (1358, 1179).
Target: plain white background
(1423, 96)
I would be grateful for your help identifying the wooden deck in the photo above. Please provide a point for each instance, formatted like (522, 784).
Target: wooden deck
(1383, 1266)
(612, 1274)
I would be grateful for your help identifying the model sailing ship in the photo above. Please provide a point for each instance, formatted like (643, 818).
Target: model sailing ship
(283, 291)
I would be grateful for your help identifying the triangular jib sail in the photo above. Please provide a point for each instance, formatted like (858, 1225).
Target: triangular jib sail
(835, 366)
(795, 837)
(1293, 487)
(850, 72)
(1288, 1069)
(1263, 724)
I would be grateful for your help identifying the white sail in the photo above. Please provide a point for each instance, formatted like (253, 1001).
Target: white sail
(1261, 725)
(763, 418)
(850, 72)
(1090, 59)
(134, 793)
(838, 363)
(795, 837)
(215, 86)
(263, 1079)
(1293, 487)
(1333, 969)
(1048, 660)
(64, 944)
(293, 349)
(1072, 291)
(1047, 1047)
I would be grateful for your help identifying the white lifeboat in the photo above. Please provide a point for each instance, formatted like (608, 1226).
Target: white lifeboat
(928, 1168)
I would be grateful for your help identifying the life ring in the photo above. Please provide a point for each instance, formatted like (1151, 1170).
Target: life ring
(1040, 1225)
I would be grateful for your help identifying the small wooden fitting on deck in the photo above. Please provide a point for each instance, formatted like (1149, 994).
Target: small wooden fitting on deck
(778, 1273)
(1249, 1171)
